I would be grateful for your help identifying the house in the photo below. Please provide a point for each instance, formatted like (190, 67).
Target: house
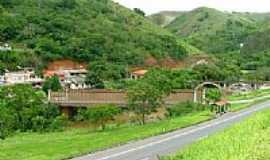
(5, 47)
(136, 74)
(23, 76)
(76, 82)
(72, 74)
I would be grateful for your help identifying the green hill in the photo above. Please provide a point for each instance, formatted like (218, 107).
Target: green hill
(84, 30)
(214, 31)
(165, 17)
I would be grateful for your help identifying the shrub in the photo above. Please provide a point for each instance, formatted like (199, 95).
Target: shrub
(52, 83)
(185, 108)
(6, 122)
(213, 94)
(99, 115)
(24, 109)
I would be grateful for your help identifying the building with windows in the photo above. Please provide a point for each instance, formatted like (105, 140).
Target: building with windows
(23, 76)
(71, 74)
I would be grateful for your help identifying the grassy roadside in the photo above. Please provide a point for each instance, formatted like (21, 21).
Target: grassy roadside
(238, 107)
(248, 140)
(62, 145)
(249, 95)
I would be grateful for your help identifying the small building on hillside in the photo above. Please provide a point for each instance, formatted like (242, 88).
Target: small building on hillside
(136, 74)
(72, 74)
(5, 47)
(23, 76)
(76, 82)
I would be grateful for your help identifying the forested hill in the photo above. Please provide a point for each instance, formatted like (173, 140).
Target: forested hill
(85, 30)
(165, 17)
(215, 31)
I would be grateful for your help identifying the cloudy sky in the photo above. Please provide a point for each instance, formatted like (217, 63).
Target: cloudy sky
(153, 6)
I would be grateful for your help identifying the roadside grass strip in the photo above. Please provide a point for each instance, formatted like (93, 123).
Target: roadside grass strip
(249, 95)
(76, 142)
(248, 140)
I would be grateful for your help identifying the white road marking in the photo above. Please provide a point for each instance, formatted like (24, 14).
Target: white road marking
(182, 134)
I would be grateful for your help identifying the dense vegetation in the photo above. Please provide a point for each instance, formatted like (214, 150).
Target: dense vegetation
(246, 141)
(99, 115)
(214, 31)
(85, 30)
(24, 109)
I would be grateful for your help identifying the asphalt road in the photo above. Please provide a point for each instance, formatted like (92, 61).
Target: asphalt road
(151, 148)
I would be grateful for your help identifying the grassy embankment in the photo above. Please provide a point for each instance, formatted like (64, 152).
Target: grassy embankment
(248, 140)
(61, 145)
(251, 97)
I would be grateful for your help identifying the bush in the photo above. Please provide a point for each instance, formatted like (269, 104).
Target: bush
(99, 115)
(213, 94)
(6, 122)
(24, 109)
(185, 108)
(52, 83)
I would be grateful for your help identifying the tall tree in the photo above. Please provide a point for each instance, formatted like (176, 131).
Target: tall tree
(148, 94)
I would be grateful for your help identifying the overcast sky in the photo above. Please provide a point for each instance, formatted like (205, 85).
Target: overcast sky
(154, 6)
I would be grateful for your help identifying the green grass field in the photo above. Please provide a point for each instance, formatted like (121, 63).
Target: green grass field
(61, 145)
(248, 140)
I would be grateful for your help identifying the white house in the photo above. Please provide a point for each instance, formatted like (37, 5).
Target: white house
(26, 75)
(5, 47)
(76, 82)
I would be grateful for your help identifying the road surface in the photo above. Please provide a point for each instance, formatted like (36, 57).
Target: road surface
(151, 148)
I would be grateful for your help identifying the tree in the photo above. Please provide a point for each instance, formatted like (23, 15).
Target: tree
(53, 84)
(213, 94)
(100, 71)
(24, 109)
(100, 114)
(147, 94)
(139, 11)
(208, 72)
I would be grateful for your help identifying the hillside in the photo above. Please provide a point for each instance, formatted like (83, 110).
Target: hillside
(82, 30)
(214, 31)
(165, 17)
